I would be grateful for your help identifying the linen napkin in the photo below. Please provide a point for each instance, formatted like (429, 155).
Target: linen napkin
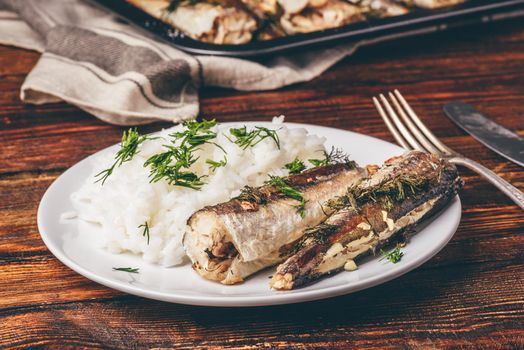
(93, 59)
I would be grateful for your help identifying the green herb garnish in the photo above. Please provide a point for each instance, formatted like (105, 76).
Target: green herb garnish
(252, 194)
(128, 148)
(173, 165)
(145, 232)
(295, 167)
(126, 269)
(335, 156)
(196, 133)
(245, 139)
(318, 234)
(214, 165)
(386, 193)
(341, 202)
(393, 256)
(288, 191)
(394, 190)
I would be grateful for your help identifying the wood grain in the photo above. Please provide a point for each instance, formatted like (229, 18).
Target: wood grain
(471, 295)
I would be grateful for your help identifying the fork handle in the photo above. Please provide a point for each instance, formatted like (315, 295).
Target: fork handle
(510, 190)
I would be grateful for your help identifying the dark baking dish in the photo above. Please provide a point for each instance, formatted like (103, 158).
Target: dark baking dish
(473, 11)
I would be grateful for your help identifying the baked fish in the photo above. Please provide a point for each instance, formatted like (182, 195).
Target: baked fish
(262, 8)
(242, 21)
(304, 16)
(230, 241)
(431, 4)
(399, 195)
(217, 22)
(381, 8)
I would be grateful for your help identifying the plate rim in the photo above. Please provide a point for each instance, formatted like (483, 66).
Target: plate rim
(279, 297)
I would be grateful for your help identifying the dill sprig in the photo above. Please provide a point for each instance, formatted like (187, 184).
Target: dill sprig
(394, 190)
(393, 256)
(173, 165)
(214, 165)
(128, 148)
(288, 191)
(296, 166)
(196, 133)
(252, 194)
(341, 202)
(335, 156)
(387, 193)
(245, 138)
(318, 234)
(145, 232)
(127, 269)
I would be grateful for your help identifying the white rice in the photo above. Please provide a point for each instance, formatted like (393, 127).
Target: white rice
(128, 198)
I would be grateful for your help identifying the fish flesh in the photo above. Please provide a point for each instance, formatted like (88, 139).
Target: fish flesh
(267, 13)
(381, 8)
(401, 194)
(230, 241)
(432, 4)
(262, 8)
(217, 22)
(393, 199)
(314, 15)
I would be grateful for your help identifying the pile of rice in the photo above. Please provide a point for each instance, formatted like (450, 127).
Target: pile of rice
(128, 199)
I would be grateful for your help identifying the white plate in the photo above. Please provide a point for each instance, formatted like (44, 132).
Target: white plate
(74, 244)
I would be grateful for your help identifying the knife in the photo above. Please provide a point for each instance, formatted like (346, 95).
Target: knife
(490, 134)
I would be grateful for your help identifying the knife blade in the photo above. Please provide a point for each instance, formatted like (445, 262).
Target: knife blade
(490, 134)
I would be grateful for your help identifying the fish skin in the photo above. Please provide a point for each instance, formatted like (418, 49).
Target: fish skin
(359, 232)
(300, 266)
(258, 227)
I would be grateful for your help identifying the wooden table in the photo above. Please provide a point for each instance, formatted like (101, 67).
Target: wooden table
(471, 295)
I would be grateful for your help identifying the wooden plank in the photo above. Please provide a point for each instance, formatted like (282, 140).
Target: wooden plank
(462, 304)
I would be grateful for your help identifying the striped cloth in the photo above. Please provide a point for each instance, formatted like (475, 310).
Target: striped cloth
(94, 60)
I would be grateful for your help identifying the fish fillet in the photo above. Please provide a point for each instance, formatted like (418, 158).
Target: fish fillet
(401, 194)
(230, 241)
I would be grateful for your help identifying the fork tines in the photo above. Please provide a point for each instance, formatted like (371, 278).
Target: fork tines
(409, 131)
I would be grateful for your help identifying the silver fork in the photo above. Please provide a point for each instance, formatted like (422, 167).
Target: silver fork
(411, 133)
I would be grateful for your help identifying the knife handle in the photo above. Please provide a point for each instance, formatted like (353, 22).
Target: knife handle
(510, 190)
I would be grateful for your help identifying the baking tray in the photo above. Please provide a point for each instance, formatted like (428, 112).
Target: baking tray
(470, 12)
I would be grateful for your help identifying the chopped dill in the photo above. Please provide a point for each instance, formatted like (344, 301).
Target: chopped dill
(346, 201)
(196, 133)
(319, 234)
(170, 166)
(245, 139)
(394, 190)
(127, 269)
(145, 232)
(288, 191)
(214, 165)
(335, 156)
(296, 166)
(283, 187)
(301, 208)
(128, 148)
(173, 165)
(393, 256)
(252, 194)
